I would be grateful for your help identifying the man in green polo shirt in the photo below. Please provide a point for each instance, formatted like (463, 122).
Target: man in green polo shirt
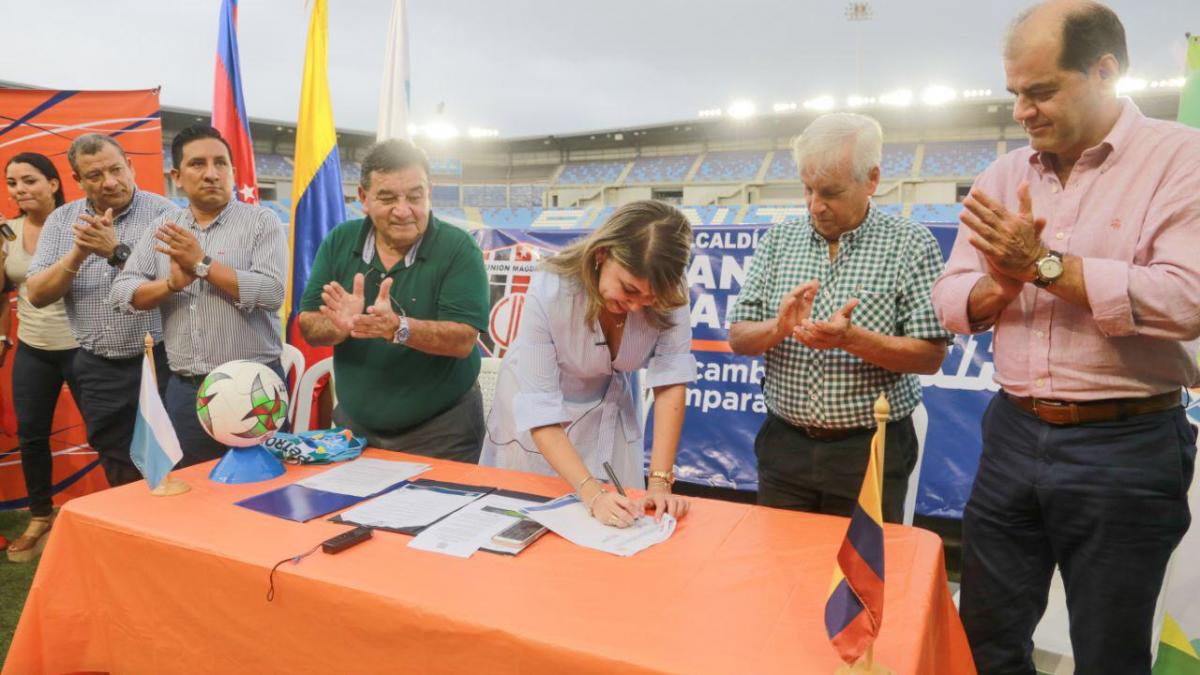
(867, 275)
(405, 365)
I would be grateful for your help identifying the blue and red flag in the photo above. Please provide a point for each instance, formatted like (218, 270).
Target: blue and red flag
(229, 106)
(854, 607)
(317, 202)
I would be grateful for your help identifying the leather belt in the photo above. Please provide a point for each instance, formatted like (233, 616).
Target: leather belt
(194, 380)
(1085, 412)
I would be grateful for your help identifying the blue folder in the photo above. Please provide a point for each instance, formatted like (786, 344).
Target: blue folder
(302, 504)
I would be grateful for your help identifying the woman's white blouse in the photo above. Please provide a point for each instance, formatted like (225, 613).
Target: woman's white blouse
(559, 371)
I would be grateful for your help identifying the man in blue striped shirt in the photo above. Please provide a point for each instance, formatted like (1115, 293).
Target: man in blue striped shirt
(215, 270)
(83, 246)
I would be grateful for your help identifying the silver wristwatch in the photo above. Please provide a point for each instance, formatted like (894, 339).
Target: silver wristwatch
(402, 332)
(202, 267)
(1048, 269)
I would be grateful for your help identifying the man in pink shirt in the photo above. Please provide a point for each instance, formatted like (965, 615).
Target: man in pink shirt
(1082, 252)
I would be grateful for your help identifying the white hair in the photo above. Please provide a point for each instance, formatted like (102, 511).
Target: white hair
(822, 146)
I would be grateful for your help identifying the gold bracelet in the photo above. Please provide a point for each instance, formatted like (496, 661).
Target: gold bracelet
(579, 488)
(64, 266)
(592, 503)
(170, 287)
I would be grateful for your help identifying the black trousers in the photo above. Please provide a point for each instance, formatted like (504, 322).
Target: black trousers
(1105, 502)
(108, 399)
(455, 433)
(37, 379)
(799, 473)
(180, 402)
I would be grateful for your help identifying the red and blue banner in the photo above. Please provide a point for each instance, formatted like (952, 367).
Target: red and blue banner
(229, 106)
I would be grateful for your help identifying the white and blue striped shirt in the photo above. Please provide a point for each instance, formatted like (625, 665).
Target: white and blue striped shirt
(96, 326)
(559, 371)
(205, 327)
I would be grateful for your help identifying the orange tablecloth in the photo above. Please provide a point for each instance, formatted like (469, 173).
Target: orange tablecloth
(132, 583)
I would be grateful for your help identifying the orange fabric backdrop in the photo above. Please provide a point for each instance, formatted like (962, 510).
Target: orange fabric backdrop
(135, 583)
(46, 121)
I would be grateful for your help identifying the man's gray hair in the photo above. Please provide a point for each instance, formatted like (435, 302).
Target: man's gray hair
(90, 144)
(822, 146)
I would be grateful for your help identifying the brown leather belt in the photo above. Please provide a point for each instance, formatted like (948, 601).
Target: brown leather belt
(1084, 412)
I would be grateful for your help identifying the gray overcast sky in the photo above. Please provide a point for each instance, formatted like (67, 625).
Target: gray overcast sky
(529, 67)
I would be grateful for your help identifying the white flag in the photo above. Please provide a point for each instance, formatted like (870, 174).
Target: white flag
(394, 95)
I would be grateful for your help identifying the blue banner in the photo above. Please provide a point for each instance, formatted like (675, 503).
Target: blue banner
(725, 403)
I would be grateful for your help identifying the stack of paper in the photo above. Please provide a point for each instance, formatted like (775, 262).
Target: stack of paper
(472, 527)
(569, 519)
(411, 506)
(363, 477)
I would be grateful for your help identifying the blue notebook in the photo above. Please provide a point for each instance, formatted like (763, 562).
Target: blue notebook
(302, 504)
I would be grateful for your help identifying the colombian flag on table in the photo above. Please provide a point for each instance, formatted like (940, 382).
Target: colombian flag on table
(317, 203)
(854, 608)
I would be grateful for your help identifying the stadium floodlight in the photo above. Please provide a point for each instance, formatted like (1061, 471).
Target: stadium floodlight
(821, 103)
(859, 101)
(710, 112)
(480, 132)
(440, 131)
(1129, 84)
(1173, 83)
(938, 95)
(784, 107)
(899, 98)
(740, 110)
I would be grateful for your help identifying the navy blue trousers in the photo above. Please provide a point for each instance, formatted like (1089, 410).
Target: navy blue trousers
(1105, 502)
(108, 401)
(37, 379)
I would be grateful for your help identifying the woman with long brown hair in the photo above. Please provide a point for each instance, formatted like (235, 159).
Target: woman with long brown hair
(46, 349)
(566, 402)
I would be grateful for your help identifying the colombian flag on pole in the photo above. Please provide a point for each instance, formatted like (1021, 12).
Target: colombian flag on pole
(229, 107)
(317, 203)
(854, 608)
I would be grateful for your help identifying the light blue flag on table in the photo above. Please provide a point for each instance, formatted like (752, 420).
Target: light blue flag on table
(155, 449)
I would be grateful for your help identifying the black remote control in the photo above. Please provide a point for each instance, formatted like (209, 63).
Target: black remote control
(346, 539)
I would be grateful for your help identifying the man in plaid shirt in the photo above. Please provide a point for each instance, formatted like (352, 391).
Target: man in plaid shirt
(839, 302)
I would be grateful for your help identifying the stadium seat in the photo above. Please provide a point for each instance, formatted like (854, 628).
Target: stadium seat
(730, 166)
(591, 173)
(660, 169)
(955, 159)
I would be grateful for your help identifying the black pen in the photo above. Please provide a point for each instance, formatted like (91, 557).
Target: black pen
(612, 475)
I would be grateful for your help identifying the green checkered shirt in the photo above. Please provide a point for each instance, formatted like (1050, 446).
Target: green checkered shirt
(889, 263)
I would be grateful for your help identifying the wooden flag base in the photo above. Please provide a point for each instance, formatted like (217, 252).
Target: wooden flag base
(170, 487)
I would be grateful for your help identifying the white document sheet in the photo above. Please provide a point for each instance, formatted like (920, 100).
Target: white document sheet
(410, 506)
(363, 477)
(462, 533)
(569, 519)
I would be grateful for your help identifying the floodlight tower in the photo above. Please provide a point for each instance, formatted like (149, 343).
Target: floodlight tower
(858, 13)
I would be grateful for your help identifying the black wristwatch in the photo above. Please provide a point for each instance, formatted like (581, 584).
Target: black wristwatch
(119, 256)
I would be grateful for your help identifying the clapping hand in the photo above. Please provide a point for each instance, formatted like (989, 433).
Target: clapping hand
(96, 235)
(827, 334)
(180, 244)
(1011, 242)
(341, 308)
(795, 307)
(381, 320)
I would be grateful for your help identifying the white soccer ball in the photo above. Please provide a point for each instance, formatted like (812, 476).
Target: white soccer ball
(242, 403)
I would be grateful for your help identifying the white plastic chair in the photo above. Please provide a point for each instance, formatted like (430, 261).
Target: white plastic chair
(920, 418)
(292, 360)
(304, 393)
(489, 372)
